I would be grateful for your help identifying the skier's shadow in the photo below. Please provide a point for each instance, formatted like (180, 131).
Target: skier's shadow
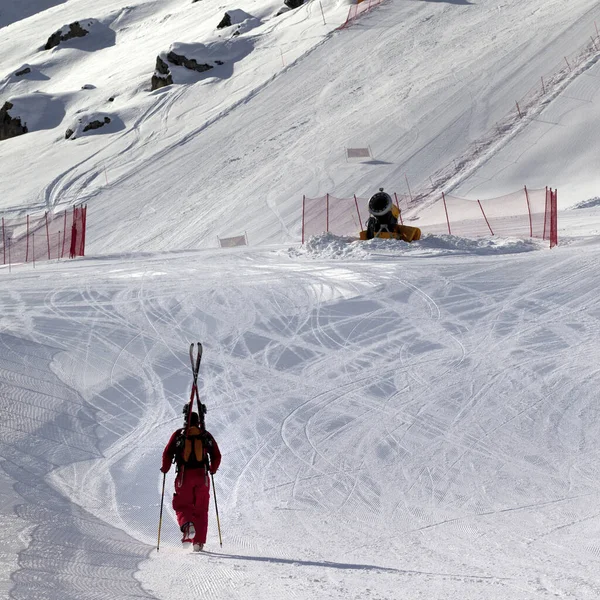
(305, 563)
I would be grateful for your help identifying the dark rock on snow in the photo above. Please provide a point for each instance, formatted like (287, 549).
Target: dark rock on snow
(97, 124)
(10, 127)
(75, 30)
(162, 75)
(225, 22)
(189, 63)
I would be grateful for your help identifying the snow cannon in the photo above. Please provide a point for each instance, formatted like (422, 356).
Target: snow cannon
(383, 222)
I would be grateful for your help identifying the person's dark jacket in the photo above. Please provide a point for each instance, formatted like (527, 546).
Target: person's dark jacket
(210, 447)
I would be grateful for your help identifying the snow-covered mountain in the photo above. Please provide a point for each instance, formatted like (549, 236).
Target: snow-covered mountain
(397, 421)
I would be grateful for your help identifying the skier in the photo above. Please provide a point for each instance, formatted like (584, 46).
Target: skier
(195, 453)
(384, 215)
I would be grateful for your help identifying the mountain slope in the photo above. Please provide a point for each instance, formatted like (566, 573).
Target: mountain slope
(436, 77)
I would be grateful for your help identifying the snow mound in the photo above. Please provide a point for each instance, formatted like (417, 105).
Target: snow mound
(216, 51)
(330, 246)
(94, 123)
(453, 244)
(97, 37)
(38, 110)
(242, 21)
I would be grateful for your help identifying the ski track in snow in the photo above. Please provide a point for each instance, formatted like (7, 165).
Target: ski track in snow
(369, 413)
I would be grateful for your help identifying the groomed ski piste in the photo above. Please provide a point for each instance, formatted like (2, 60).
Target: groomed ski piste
(397, 422)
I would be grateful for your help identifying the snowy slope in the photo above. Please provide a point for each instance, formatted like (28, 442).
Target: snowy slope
(418, 82)
(397, 422)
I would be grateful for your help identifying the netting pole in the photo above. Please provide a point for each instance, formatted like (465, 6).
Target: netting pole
(58, 247)
(408, 187)
(47, 235)
(358, 213)
(27, 242)
(303, 215)
(3, 242)
(73, 235)
(84, 227)
(446, 209)
(62, 253)
(398, 207)
(545, 215)
(486, 219)
(553, 218)
(9, 261)
(529, 212)
(327, 201)
(81, 219)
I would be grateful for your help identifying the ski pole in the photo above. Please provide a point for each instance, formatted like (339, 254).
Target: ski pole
(216, 509)
(162, 500)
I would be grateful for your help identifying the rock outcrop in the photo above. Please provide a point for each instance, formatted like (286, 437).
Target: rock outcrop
(225, 21)
(162, 75)
(10, 126)
(75, 30)
(96, 124)
(82, 126)
(190, 63)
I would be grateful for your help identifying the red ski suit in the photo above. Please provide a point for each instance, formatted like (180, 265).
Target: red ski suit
(192, 486)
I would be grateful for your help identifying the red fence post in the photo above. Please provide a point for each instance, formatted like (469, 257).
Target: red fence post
(73, 235)
(553, 218)
(486, 219)
(47, 235)
(408, 186)
(27, 242)
(327, 229)
(398, 207)
(546, 210)
(446, 209)
(84, 227)
(358, 213)
(529, 212)
(3, 242)
(62, 253)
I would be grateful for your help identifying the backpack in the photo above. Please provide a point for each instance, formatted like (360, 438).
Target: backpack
(191, 449)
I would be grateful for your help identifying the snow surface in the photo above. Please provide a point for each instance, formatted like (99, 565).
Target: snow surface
(397, 421)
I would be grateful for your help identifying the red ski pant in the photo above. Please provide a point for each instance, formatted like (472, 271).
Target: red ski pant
(191, 500)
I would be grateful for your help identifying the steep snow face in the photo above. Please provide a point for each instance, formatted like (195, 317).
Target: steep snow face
(274, 121)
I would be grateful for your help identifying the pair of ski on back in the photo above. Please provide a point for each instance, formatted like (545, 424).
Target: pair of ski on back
(192, 439)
